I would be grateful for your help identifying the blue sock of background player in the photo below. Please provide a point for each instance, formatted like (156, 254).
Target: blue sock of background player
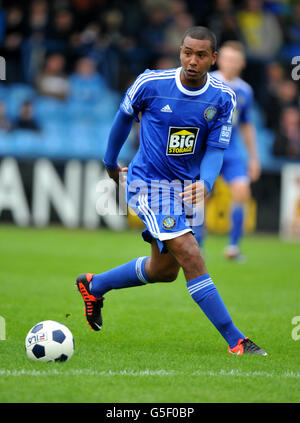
(237, 219)
(236, 231)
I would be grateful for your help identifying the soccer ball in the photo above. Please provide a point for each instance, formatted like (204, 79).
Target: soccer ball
(49, 341)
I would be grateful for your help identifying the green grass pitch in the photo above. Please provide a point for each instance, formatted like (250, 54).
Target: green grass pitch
(156, 345)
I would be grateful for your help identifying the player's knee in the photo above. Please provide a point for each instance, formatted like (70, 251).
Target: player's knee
(165, 275)
(188, 255)
(170, 276)
(240, 193)
(193, 261)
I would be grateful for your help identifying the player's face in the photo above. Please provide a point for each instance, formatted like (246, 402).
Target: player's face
(196, 58)
(230, 62)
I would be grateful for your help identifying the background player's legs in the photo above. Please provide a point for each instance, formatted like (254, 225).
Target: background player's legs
(137, 272)
(201, 233)
(240, 194)
(235, 173)
(186, 251)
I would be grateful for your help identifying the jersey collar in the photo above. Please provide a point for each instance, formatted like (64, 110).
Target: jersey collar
(185, 90)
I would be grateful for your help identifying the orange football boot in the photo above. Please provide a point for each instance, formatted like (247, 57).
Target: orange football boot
(246, 346)
(92, 304)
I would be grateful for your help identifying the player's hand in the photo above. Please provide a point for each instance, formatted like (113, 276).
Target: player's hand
(118, 175)
(194, 193)
(254, 169)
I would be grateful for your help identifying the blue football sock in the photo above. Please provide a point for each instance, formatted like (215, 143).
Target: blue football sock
(127, 275)
(237, 219)
(205, 294)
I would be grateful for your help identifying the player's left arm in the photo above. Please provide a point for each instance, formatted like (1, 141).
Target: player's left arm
(217, 142)
(210, 167)
(248, 133)
(249, 136)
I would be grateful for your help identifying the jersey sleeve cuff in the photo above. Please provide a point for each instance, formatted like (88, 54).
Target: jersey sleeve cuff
(110, 166)
(208, 187)
(223, 146)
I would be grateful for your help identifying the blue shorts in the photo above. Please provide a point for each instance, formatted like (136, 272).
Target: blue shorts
(164, 214)
(234, 167)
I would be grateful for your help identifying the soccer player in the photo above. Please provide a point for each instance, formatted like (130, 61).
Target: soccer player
(235, 170)
(186, 118)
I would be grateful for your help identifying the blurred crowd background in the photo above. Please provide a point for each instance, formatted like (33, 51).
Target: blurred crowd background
(68, 63)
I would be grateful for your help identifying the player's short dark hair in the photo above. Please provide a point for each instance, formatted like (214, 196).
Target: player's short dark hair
(201, 33)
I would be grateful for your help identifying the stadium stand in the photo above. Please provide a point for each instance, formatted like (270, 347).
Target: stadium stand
(105, 44)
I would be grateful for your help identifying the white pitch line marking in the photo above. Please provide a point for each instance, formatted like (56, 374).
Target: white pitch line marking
(148, 372)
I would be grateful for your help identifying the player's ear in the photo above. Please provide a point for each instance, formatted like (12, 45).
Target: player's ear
(214, 58)
(243, 64)
(180, 51)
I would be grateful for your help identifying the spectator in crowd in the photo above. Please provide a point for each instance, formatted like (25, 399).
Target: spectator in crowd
(62, 28)
(177, 7)
(173, 35)
(26, 119)
(275, 76)
(223, 21)
(5, 124)
(287, 139)
(166, 62)
(87, 9)
(86, 84)
(153, 36)
(88, 36)
(292, 26)
(11, 47)
(15, 21)
(38, 20)
(52, 81)
(285, 95)
(121, 46)
(262, 37)
(112, 21)
(261, 31)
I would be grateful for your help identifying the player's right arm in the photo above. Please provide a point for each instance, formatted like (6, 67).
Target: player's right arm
(130, 107)
(119, 132)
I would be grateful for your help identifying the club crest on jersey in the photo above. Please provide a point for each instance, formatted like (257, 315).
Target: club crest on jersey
(181, 141)
(168, 222)
(209, 113)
